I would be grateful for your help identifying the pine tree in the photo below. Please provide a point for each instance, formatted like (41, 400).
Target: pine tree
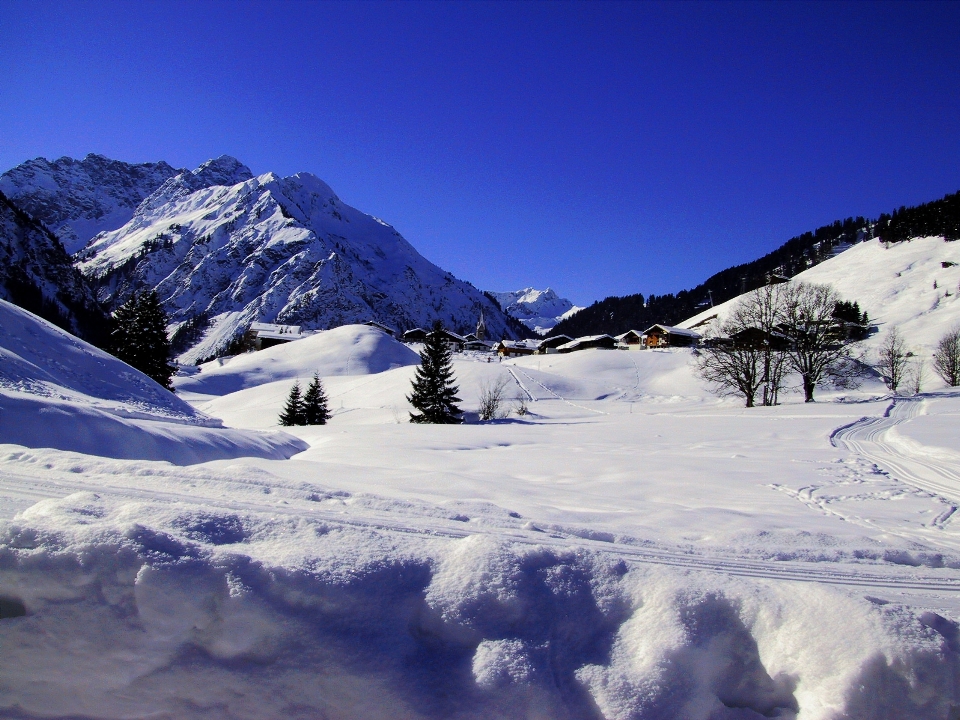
(434, 392)
(293, 412)
(315, 403)
(139, 337)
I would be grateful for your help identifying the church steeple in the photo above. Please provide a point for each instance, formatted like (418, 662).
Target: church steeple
(481, 327)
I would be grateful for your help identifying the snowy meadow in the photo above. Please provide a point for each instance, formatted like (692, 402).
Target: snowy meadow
(631, 547)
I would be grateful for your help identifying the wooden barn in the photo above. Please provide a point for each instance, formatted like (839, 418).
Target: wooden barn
(380, 326)
(260, 336)
(416, 335)
(661, 336)
(604, 342)
(515, 348)
(631, 339)
(549, 345)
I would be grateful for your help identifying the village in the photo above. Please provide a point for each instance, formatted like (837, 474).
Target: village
(261, 336)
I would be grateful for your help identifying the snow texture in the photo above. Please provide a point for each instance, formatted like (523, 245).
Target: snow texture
(57, 391)
(632, 548)
(539, 310)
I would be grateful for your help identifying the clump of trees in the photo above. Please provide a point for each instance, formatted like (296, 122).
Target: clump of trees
(306, 408)
(434, 393)
(777, 329)
(946, 358)
(138, 336)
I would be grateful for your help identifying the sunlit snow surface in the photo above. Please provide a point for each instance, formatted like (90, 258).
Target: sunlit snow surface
(632, 547)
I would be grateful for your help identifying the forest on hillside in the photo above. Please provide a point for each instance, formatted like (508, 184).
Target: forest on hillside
(615, 315)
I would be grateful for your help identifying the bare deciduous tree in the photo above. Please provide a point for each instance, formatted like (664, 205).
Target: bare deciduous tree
(750, 359)
(946, 358)
(917, 375)
(493, 396)
(816, 348)
(893, 359)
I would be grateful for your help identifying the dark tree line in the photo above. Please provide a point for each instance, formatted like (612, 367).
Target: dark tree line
(615, 315)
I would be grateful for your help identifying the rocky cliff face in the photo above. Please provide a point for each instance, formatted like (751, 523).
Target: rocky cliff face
(36, 273)
(77, 199)
(224, 249)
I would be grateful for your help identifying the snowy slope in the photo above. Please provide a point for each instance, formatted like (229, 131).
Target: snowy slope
(235, 249)
(628, 549)
(894, 285)
(77, 199)
(58, 391)
(36, 272)
(539, 310)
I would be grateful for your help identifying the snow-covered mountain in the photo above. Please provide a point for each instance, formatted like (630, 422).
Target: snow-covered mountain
(912, 285)
(36, 273)
(77, 199)
(539, 310)
(224, 248)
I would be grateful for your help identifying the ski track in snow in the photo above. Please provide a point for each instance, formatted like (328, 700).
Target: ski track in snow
(868, 437)
(555, 395)
(286, 498)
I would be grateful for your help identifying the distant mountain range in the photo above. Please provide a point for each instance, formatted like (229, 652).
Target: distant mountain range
(538, 310)
(224, 248)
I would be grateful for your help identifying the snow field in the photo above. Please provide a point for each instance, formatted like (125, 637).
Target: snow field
(633, 548)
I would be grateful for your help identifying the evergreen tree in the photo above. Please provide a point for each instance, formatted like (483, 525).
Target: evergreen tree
(315, 403)
(139, 337)
(293, 412)
(434, 392)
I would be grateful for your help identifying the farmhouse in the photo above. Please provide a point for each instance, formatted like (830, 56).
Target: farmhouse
(263, 335)
(549, 345)
(632, 339)
(415, 335)
(380, 326)
(604, 342)
(659, 336)
(511, 348)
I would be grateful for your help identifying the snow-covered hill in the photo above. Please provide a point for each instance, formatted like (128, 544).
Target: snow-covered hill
(539, 310)
(77, 199)
(36, 273)
(226, 249)
(912, 285)
(57, 391)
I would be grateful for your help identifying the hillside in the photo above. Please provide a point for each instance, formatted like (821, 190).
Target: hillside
(77, 199)
(911, 285)
(37, 274)
(615, 315)
(224, 249)
(57, 391)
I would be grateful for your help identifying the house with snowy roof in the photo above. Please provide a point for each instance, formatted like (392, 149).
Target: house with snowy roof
(263, 335)
(631, 340)
(514, 348)
(661, 336)
(603, 342)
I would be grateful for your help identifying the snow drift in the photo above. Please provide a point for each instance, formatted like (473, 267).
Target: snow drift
(119, 609)
(58, 391)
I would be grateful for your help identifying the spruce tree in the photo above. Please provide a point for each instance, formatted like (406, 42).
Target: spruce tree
(434, 393)
(315, 403)
(293, 412)
(139, 337)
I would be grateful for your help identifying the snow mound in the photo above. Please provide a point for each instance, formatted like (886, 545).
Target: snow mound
(169, 609)
(58, 391)
(346, 350)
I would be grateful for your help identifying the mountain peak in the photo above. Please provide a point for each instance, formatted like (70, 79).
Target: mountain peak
(223, 170)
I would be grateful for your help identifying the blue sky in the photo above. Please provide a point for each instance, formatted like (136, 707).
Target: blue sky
(598, 148)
